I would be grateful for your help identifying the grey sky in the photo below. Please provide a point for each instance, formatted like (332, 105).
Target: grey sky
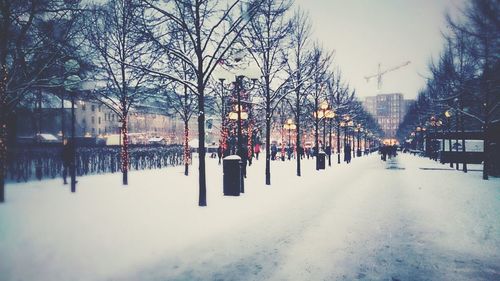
(366, 32)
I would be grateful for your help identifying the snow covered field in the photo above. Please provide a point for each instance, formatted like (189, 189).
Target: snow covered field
(404, 219)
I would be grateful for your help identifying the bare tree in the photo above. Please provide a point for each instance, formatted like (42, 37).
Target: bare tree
(320, 62)
(265, 40)
(25, 60)
(340, 98)
(303, 65)
(482, 30)
(212, 29)
(117, 46)
(179, 97)
(463, 79)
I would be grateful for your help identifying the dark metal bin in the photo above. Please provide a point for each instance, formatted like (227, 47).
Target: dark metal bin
(231, 166)
(321, 160)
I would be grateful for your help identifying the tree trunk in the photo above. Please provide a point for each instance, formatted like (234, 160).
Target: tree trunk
(268, 138)
(486, 126)
(3, 127)
(3, 151)
(124, 150)
(316, 131)
(72, 166)
(338, 143)
(298, 144)
(297, 108)
(187, 153)
(201, 147)
(486, 151)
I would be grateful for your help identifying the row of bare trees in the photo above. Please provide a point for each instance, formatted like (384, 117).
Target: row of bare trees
(133, 51)
(464, 80)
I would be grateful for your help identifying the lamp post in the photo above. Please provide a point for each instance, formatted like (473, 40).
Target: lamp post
(239, 115)
(418, 129)
(358, 129)
(330, 114)
(289, 125)
(338, 138)
(71, 84)
(324, 113)
(448, 114)
(223, 132)
(349, 124)
(243, 70)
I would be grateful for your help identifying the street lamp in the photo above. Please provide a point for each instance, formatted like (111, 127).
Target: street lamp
(238, 114)
(418, 130)
(348, 123)
(330, 114)
(289, 125)
(358, 129)
(324, 113)
(448, 114)
(71, 84)
(339, 124)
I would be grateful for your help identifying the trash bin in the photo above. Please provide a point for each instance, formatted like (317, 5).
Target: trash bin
(321, 160)
(231, 166)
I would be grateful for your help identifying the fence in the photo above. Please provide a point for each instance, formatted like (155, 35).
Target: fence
(28, 162)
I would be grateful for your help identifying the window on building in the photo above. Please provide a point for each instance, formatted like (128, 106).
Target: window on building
(93, 131)
(100, 108)
(99, 120)
(93, 120)
(92, 108)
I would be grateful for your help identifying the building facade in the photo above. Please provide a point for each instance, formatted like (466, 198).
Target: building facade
(94, 119)
(389, 111)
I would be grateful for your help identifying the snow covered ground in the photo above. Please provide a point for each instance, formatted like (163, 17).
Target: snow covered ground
(405, 219)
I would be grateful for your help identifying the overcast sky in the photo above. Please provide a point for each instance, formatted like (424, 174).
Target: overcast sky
(364, 33)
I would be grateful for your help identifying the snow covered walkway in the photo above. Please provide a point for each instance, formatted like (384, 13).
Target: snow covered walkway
(405, 219)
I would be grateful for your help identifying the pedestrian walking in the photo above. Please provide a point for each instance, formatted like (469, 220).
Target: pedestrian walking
(274, 151)
(383, 151)
(219, 153)
(67, 156)
(347, 153)
(256, 150)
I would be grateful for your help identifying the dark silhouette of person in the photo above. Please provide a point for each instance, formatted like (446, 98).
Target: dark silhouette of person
(256, 150)
(384, 150)
(67, 156)
(289, 152)
(219, 153)
(347, 153)
(301, 152)
(274, 151)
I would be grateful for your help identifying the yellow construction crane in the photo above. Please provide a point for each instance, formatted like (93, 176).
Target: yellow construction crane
(380, 73)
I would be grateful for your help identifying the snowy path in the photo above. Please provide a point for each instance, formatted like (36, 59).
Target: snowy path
(370, 220)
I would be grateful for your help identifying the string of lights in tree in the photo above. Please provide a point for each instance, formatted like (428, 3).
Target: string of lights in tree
(223, 138)
(3, 128)
(249, 141)
(124, 152)
(187, 154)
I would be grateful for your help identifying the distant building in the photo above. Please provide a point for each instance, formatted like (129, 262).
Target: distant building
(389, 111)
(94, 119)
